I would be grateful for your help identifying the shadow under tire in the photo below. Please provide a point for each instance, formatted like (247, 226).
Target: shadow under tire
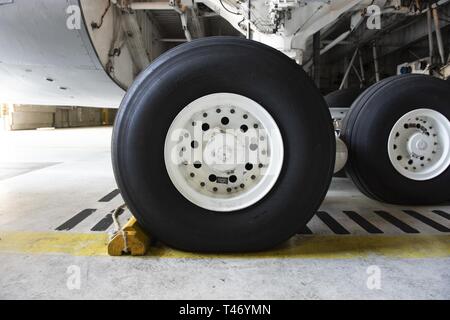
(383, 115)
(204, 67)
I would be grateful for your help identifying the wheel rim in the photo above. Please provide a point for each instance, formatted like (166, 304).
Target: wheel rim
(223, 152)
(419, 144)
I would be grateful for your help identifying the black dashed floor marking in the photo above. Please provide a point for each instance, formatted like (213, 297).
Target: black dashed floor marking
(110, 196)
(332, 223)
(427, 221)
(105, 223)
(443, 214)
(305, 230)
(363, 223)
(396, 222)
(75, 220)
(337, 228)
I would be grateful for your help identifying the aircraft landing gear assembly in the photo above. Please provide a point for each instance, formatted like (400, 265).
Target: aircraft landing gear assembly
(225, 144)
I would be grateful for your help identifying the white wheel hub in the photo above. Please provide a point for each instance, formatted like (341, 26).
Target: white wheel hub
(223, 152)
(419, 144)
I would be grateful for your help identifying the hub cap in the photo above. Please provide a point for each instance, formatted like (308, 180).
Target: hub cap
(223, 152)
(419, 144)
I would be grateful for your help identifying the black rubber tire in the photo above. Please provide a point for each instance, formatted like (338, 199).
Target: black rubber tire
(366, 129)
(212, 65)
(343, 98)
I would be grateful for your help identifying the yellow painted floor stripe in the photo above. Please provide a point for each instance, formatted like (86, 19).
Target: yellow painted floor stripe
(305, 247)
(78, 244)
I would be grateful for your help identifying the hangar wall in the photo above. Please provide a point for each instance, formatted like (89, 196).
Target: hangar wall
(25, 117)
